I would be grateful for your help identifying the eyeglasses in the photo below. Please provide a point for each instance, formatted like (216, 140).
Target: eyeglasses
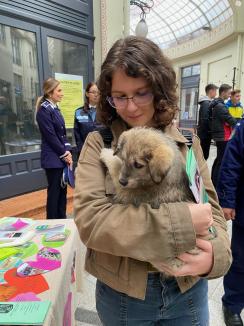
(94, 93)
(121, 102)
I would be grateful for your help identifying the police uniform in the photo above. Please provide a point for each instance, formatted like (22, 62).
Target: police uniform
(230, 192)
(54, 145)
(84, 122)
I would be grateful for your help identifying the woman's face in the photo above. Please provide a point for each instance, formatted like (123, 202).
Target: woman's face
(93, 95)
(133, 114)
(57, 95)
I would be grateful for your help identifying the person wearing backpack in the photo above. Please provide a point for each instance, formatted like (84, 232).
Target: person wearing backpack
(222, 123)
(138, 89)
(203, 129)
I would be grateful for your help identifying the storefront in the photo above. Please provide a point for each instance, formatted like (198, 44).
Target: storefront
(37, 40)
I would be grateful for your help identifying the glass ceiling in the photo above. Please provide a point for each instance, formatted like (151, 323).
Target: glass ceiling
(171, 22)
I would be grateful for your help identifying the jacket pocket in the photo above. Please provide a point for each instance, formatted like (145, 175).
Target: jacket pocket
(106, 261)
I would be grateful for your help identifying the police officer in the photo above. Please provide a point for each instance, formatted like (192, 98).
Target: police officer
(55, 149)
(85, 117)
(230, 192)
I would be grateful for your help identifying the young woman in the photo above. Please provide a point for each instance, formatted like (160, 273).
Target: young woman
(138, 88)
(85, 117)
(55, 149)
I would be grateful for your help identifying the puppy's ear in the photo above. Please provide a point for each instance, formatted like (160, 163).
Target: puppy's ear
(160, 162)
(119, 147)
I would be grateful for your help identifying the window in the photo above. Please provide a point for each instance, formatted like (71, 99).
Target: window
(19, 86)
(2, 34)
(30, 59)
(190, 77)
(16, 50)
(68, 58)
(189, 98)
(181, 20)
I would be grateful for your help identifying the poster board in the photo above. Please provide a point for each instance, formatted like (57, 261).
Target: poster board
(72, 86)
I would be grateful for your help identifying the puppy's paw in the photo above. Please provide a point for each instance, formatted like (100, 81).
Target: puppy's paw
(106, 155)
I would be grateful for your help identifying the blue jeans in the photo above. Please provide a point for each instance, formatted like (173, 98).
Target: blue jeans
(164, 304)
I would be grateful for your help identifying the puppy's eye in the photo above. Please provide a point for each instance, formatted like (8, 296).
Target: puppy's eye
(138, 165)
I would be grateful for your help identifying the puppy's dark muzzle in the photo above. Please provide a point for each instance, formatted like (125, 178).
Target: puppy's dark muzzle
(123, 182)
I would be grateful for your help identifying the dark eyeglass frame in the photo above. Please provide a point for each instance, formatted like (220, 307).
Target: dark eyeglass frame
(94, 92)
(110, 100)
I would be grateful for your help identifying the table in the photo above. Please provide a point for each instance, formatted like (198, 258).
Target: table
(61, 289)
(59, 279)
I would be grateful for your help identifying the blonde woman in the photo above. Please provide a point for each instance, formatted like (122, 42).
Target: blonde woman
(55, 149)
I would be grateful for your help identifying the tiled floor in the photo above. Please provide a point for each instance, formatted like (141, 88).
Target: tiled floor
(86, 311)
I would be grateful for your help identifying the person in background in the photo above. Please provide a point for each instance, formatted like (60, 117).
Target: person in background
(138, 89)
(203, 128)
(55, 149)
(85, 117)
(230, 192)
(234, 104)
(221, 126)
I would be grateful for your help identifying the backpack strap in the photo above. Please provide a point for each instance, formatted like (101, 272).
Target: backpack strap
(188, 135)
(107, 136)
(189, 140)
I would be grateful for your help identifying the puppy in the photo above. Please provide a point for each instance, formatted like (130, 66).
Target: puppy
(147, 167)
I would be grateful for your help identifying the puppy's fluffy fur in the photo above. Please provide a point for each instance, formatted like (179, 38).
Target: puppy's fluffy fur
(147, 167)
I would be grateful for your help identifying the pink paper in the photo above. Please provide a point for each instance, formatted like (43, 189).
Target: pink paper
(28, 296)
(45, 264)
(47, 259)
(19, 224)
(67, 311)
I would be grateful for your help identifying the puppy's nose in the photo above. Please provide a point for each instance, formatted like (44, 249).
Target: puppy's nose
(123, 182)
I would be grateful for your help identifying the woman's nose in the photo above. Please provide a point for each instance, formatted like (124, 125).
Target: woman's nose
(131, 106)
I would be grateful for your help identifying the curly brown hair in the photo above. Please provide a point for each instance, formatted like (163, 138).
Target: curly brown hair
(139, 57)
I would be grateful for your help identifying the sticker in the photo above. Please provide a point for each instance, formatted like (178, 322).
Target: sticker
(47, 228)
(18, 285)
(47, 259)
(52, 243)
(28, 296)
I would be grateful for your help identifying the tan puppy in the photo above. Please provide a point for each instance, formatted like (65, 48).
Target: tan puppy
(147, 167)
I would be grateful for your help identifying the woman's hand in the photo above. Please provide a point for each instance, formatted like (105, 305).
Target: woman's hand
(202, 218)
(194, 265)
(229, 213)
(68, 158)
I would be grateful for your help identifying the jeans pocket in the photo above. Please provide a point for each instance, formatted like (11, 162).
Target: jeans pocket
(198, 304)
(111, 305)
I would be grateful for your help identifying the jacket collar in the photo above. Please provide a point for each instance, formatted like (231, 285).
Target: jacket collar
(118, 126)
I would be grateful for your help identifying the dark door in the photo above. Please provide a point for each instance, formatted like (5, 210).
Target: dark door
(20, 77)
(29, 54)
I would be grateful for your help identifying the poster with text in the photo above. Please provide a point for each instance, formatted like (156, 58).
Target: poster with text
(72, 86)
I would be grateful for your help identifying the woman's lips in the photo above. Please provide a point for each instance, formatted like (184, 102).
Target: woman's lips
(134, 117)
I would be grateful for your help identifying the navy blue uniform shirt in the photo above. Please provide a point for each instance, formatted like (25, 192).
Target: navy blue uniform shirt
(231, 177)
(53, 133)
(84, 123)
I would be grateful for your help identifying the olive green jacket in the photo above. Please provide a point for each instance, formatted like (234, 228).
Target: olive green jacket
(122, 239)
